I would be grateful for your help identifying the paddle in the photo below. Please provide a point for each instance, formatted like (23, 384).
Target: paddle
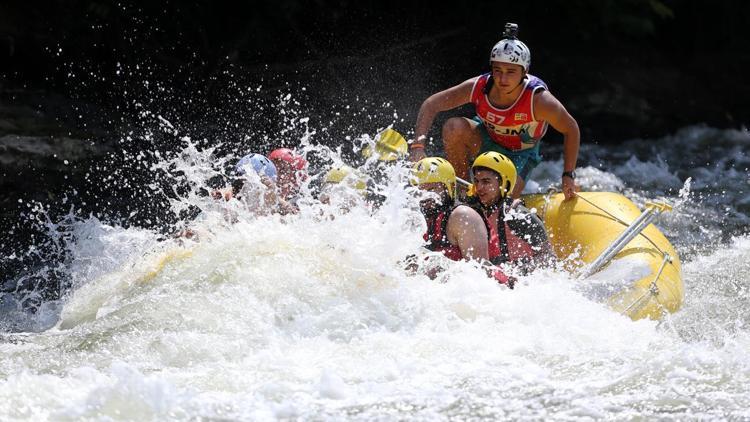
(388, 144)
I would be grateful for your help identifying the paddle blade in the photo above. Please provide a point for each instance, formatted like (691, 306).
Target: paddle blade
(389, 145)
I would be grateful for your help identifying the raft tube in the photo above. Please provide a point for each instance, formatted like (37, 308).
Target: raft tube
(582, 228)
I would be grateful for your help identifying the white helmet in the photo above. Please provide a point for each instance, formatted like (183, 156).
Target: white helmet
(510, 49)
(513, 52)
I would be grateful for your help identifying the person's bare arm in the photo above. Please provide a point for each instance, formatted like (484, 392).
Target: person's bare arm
(466, 229)
(286, 207)
(225, 194)
(451, 98)
(551, 110)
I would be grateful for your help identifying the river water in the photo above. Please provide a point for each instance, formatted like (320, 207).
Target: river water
(311, 317)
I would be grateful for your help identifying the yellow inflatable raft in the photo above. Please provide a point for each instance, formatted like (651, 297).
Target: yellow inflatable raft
(583, 228)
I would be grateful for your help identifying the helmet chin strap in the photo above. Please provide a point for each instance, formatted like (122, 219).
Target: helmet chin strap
(494, 206)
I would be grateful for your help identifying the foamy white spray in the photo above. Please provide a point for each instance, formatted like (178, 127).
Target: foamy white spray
(312, 317)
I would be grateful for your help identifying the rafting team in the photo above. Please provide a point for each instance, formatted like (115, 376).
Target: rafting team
(497, 149)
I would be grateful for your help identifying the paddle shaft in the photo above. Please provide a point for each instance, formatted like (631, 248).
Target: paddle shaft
(463, 182)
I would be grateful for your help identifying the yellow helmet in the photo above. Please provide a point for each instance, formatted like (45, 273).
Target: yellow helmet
(501, 165)
(348, 175)
(434, 170)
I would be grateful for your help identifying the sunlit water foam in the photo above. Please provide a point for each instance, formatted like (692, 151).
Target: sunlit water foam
(314, 318)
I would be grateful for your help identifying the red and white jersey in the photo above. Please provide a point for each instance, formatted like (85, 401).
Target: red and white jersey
(514, 128)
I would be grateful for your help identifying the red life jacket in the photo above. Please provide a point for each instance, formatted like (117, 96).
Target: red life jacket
(514, 128)
(521, 238)
(437, 241)
(437, 235)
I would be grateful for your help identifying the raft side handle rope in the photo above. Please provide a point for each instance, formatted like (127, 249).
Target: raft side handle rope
(636, 227)
(667, 208)
(653, 289)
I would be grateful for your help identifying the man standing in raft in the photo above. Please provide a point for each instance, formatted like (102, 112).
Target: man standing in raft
(513, 109)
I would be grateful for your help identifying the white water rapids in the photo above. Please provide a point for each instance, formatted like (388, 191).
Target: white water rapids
(310, 318)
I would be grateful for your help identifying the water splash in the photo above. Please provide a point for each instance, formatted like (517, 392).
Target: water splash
(299, 316)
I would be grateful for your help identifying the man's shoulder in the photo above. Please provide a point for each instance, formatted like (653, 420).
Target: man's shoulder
(464, 212)
(536, 83)
(544, 104)
(463, 219)
(519, 211)
(464, 209)
(522, 220)
(473, 81)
